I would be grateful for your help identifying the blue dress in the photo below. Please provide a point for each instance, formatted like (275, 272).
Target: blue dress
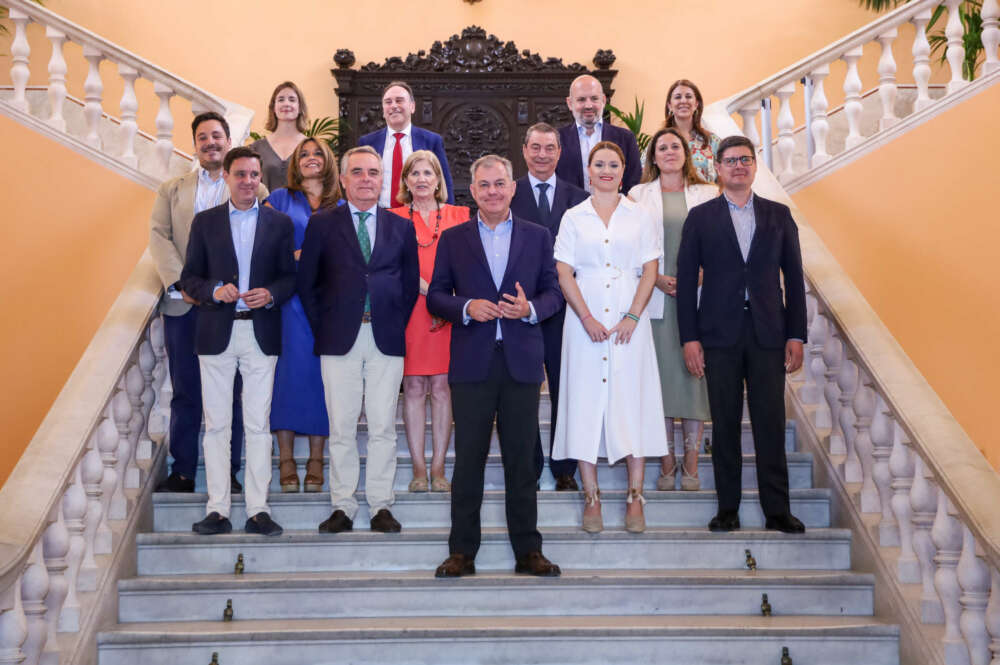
(297, 403)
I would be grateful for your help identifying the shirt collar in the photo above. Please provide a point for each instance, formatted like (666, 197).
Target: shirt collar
(749, 204)
(205, 177)
(406, 130)
(598, 129)
(355, 210)
(535, 181)
(502, 226)
(233, 210)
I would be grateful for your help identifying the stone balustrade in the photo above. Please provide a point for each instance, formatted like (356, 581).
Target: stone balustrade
(807, 79)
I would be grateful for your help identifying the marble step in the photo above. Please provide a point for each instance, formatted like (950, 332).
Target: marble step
(301, 447)
(177, 512)
(608, 477)
(576, 593)
(682, 640)
(423, 549)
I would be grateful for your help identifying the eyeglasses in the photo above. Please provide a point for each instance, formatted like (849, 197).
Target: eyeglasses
(745, 160)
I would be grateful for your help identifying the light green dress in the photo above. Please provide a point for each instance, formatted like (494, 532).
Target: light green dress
(684, 396)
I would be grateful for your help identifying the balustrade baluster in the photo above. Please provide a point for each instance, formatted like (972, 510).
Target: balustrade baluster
(93, 89)
(923, 501)
(820, 124)
(107, 443)
(121, 411)
(921, 59)
(13, 625)
(129, 106)
(887, 80)
(786, 129)
(147, 363)
(134, 385)
(954, 31)
(34, 588)
(808, 392)
(848, 382)
(749, 115)
(814, 355)
(20, 49)
(901, 465)
(864, 409)
(993, 615)
(852, 97)
(55, 546)
(164, 128)
(832, 357)
(93, 474)
(947, 536)
(74, 508)
(990, 35)
(57, 79)
(974, 578)
(881, 433)
(160, 416)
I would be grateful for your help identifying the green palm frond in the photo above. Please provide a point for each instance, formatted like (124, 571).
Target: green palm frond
(633, 121)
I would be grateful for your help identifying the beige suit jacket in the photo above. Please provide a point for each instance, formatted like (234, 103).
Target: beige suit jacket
(169, 227)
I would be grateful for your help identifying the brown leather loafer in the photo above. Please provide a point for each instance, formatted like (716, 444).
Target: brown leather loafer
(456, 565)
(337, 521)
(535, 563)
(385, 522)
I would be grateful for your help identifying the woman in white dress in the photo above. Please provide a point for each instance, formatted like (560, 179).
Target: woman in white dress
(607, 254)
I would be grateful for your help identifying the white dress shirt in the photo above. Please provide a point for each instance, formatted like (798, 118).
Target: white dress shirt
(390, 145)
(210, 193)
(550, 193)
(587, 143)
(371, 223)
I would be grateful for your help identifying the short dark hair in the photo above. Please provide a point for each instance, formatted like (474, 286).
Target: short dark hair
(208, 115)
(734, 141)
(399, 84)
(544, 128)
(239, 153)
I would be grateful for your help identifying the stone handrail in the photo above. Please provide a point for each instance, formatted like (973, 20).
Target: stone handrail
(811, 73)
(898, 451)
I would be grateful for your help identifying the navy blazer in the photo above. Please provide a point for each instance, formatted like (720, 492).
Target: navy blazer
(567, 195)
(334, 280)
(211, 259)
(422, 139)
(709, 242)
(461, 273)
(570, 166)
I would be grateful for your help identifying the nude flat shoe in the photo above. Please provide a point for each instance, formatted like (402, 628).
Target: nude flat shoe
(592, 523)
(637, 523)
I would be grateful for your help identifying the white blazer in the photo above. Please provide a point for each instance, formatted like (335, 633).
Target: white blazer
(649, 196)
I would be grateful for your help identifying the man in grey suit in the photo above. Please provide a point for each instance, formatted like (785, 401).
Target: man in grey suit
(177, 202)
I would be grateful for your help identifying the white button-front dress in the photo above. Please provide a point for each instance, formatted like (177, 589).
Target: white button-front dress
(609, 394)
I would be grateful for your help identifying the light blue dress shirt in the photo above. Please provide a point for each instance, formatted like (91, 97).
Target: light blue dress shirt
(209, 193)
(550, 193)
(243, 224)
(587, 143)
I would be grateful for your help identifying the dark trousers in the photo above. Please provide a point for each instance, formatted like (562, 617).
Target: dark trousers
(763, 370)
(552, 329)
(475, 406)
(186, 406)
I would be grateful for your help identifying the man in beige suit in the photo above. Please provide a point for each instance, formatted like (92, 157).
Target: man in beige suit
(177, 202)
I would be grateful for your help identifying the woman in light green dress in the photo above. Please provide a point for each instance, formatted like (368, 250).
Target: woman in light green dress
(671, 186)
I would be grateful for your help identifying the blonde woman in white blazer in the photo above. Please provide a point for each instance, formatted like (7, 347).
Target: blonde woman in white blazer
(670, 187)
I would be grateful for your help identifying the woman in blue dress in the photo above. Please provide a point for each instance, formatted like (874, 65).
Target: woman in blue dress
(298, 405)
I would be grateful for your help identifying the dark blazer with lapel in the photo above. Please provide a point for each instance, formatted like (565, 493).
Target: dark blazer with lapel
(211, 258)
(422, 139)
(570, 166)
(709, 241)
(523, 204)
(461, 273)
(334, 279)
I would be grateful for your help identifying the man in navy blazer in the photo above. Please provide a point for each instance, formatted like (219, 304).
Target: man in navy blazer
(399, 139)
(358, 281)
(742, 330)
(240, 267)
(586, 101)
(495, 280)
(542, 197)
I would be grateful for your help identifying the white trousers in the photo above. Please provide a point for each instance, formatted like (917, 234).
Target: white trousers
(363, 372)
(217, 375)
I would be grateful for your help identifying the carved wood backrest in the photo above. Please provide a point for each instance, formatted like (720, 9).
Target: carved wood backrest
(479, 93)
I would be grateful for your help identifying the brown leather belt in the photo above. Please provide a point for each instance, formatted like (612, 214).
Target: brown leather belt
(243, 315)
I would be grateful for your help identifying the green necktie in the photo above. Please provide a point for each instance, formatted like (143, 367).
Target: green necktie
(366, 247)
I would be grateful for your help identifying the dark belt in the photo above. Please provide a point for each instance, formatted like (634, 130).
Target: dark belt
(746, 305)
(498, 344)
(366, 317)
(243, 315)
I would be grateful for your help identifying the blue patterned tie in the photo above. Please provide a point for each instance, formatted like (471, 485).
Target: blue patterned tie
(543, 203)
(366, 247)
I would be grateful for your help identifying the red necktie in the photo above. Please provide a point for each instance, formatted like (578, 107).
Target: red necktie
(397, 169)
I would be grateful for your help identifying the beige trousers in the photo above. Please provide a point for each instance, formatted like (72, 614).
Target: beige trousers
(363, 372)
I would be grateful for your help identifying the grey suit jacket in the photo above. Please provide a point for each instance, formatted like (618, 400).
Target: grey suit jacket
(169, 227)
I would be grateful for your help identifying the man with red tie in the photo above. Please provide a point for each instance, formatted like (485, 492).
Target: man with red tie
(399, 139)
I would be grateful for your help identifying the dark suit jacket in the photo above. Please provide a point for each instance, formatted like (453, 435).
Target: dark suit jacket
(567, 195)
(211, 258)
(709, 241)
(461, 273)
(422, 139)
(334, 279)
(570, 166)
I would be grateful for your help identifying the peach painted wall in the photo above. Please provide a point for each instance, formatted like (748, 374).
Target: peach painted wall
(72, 233)
(915, 225)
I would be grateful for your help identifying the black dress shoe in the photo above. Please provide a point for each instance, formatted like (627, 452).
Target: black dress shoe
(234, 485)
(535, 563)
(456, 565)
(213, 524)
(566, 483)
(175, 482)
(725, 520)
(385, 522)
(263, 524)
(786, 523)
(338, 521)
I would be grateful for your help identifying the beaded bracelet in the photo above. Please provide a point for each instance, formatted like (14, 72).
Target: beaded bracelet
(632, 316)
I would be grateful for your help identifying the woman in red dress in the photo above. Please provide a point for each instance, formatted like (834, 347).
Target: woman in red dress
(424, 195)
